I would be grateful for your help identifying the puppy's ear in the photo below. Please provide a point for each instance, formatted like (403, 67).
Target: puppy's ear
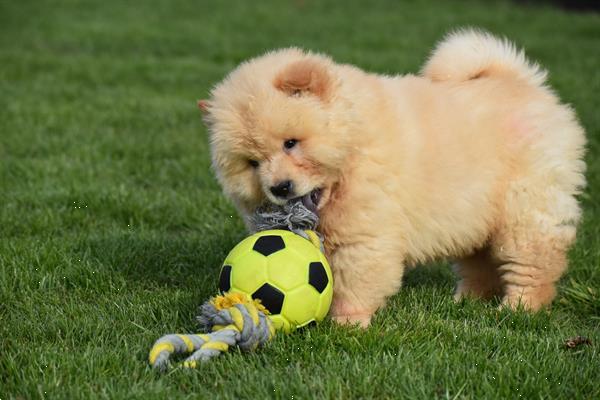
(203, 105)
(305, 76)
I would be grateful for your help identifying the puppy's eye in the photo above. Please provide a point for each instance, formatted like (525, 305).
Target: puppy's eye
(289, 144)
(253, 163)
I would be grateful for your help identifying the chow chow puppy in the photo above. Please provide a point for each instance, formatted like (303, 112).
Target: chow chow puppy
(474, 159)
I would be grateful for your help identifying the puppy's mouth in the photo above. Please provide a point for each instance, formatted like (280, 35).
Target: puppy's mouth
(312, 199)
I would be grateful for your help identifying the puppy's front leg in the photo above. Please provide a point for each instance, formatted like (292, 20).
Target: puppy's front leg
(365, 275)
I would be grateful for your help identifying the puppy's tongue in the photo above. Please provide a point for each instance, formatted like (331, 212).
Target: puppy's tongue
(311, 200)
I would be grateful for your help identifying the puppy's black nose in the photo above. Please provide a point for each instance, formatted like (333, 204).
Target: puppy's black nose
(282, 189)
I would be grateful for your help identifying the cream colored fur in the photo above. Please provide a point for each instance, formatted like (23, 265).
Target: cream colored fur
(475, 159)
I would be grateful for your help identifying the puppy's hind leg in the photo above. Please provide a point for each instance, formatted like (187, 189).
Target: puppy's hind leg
(530, 276)
(532, 244)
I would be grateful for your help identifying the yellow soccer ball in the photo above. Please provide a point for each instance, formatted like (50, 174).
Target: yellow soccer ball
(288, 273)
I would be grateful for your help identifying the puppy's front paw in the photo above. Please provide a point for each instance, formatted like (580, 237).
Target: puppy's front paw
(363, 320)
(346, 313)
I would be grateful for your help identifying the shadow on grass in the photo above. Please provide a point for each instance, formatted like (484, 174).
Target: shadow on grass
(430, 275)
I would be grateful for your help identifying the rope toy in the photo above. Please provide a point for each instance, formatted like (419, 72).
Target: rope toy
(235, 319)
(232, 319)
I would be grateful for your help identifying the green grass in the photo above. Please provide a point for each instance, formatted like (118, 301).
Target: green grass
(112, 227)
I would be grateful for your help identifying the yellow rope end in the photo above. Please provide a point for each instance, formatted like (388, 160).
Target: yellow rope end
(230, 299)
(156, 350)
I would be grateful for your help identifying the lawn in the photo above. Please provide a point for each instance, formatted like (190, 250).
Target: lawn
(112, 227)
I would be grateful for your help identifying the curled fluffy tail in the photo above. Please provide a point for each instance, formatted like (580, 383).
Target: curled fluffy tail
(470, 54)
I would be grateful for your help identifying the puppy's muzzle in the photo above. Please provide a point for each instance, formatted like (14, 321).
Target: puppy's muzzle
(283, 190)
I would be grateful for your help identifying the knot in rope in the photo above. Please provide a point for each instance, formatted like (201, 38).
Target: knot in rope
(231, 320)
(293, 216)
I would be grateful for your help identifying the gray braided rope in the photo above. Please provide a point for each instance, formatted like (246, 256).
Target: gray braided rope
(251, 335)
(293, 216)
(206, 346)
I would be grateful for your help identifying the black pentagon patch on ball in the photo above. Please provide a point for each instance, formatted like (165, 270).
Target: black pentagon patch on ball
(225, 279)
(269, 244)
(317, 276)
(270, 297)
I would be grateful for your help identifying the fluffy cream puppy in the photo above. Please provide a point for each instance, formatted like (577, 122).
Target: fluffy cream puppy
(474, 159)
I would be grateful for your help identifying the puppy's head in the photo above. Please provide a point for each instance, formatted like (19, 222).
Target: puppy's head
(275, 133)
